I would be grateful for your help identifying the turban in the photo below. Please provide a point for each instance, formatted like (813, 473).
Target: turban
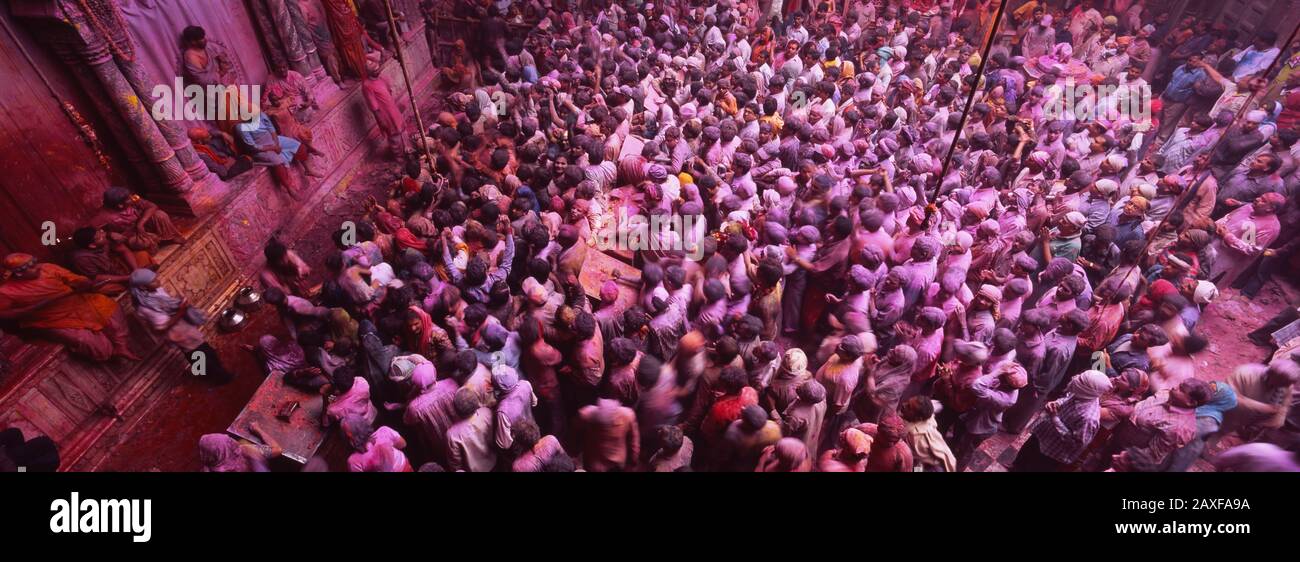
(794, 362)
(424, 376)
(608, 292)
(811, 391)
(1016, 287)
(1026, 262)
(1140, 202)
(495, 335)
(774, 232)
(1039, 158)
(1205, 292)
(1089, 385)
(141, 277)
(851, 345)
(1256, 116)
(809, 233)
(887, 145)
(785, 185)
(932, 315)
(989, 227)
(1117, 161)
(1015, 374)
(534, 291)
(925, 248)
(884, 53)
(1147, 190)
(923, 163)
(1075, 218)
(855, 442)
(860, 275)
(952, 280)
(16, 260)
(963, 240)
(872, 255)
(971, 352)
(990, 292)
(403, 367)
(657, 173)
(1107, 187)
(504, 377)
(887, 201)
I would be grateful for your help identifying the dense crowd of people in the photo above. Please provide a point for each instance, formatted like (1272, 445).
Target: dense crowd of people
(872, 279)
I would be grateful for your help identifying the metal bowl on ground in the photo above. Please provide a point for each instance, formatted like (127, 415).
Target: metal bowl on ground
(248, 298)
(232, 319)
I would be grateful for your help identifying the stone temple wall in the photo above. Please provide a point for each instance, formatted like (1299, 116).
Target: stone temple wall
(85, 407)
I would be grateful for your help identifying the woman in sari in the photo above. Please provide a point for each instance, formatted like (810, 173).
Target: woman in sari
(135, 222)
(349, 36)
(379, 98)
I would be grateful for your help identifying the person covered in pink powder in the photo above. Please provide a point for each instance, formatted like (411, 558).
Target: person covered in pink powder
(380, 100)
(377, 450)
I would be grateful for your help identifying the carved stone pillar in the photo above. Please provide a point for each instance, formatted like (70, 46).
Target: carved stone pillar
(90, 37)
(118, 132)
(307, 39)
(176, 137)
(289, 38)
(137, 117)
(266, 29)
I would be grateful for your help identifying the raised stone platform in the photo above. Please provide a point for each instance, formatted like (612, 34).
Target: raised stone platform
(84, 406)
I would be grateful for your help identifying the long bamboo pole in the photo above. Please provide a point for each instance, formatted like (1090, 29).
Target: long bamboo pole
(410, 88)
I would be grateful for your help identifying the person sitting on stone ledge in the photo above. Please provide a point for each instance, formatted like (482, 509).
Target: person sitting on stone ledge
(50, 302)
(135, 222)
(259, 137)
(209, 63)
(280, 108)
(95, 257)
(218, 153)
(290, 87)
